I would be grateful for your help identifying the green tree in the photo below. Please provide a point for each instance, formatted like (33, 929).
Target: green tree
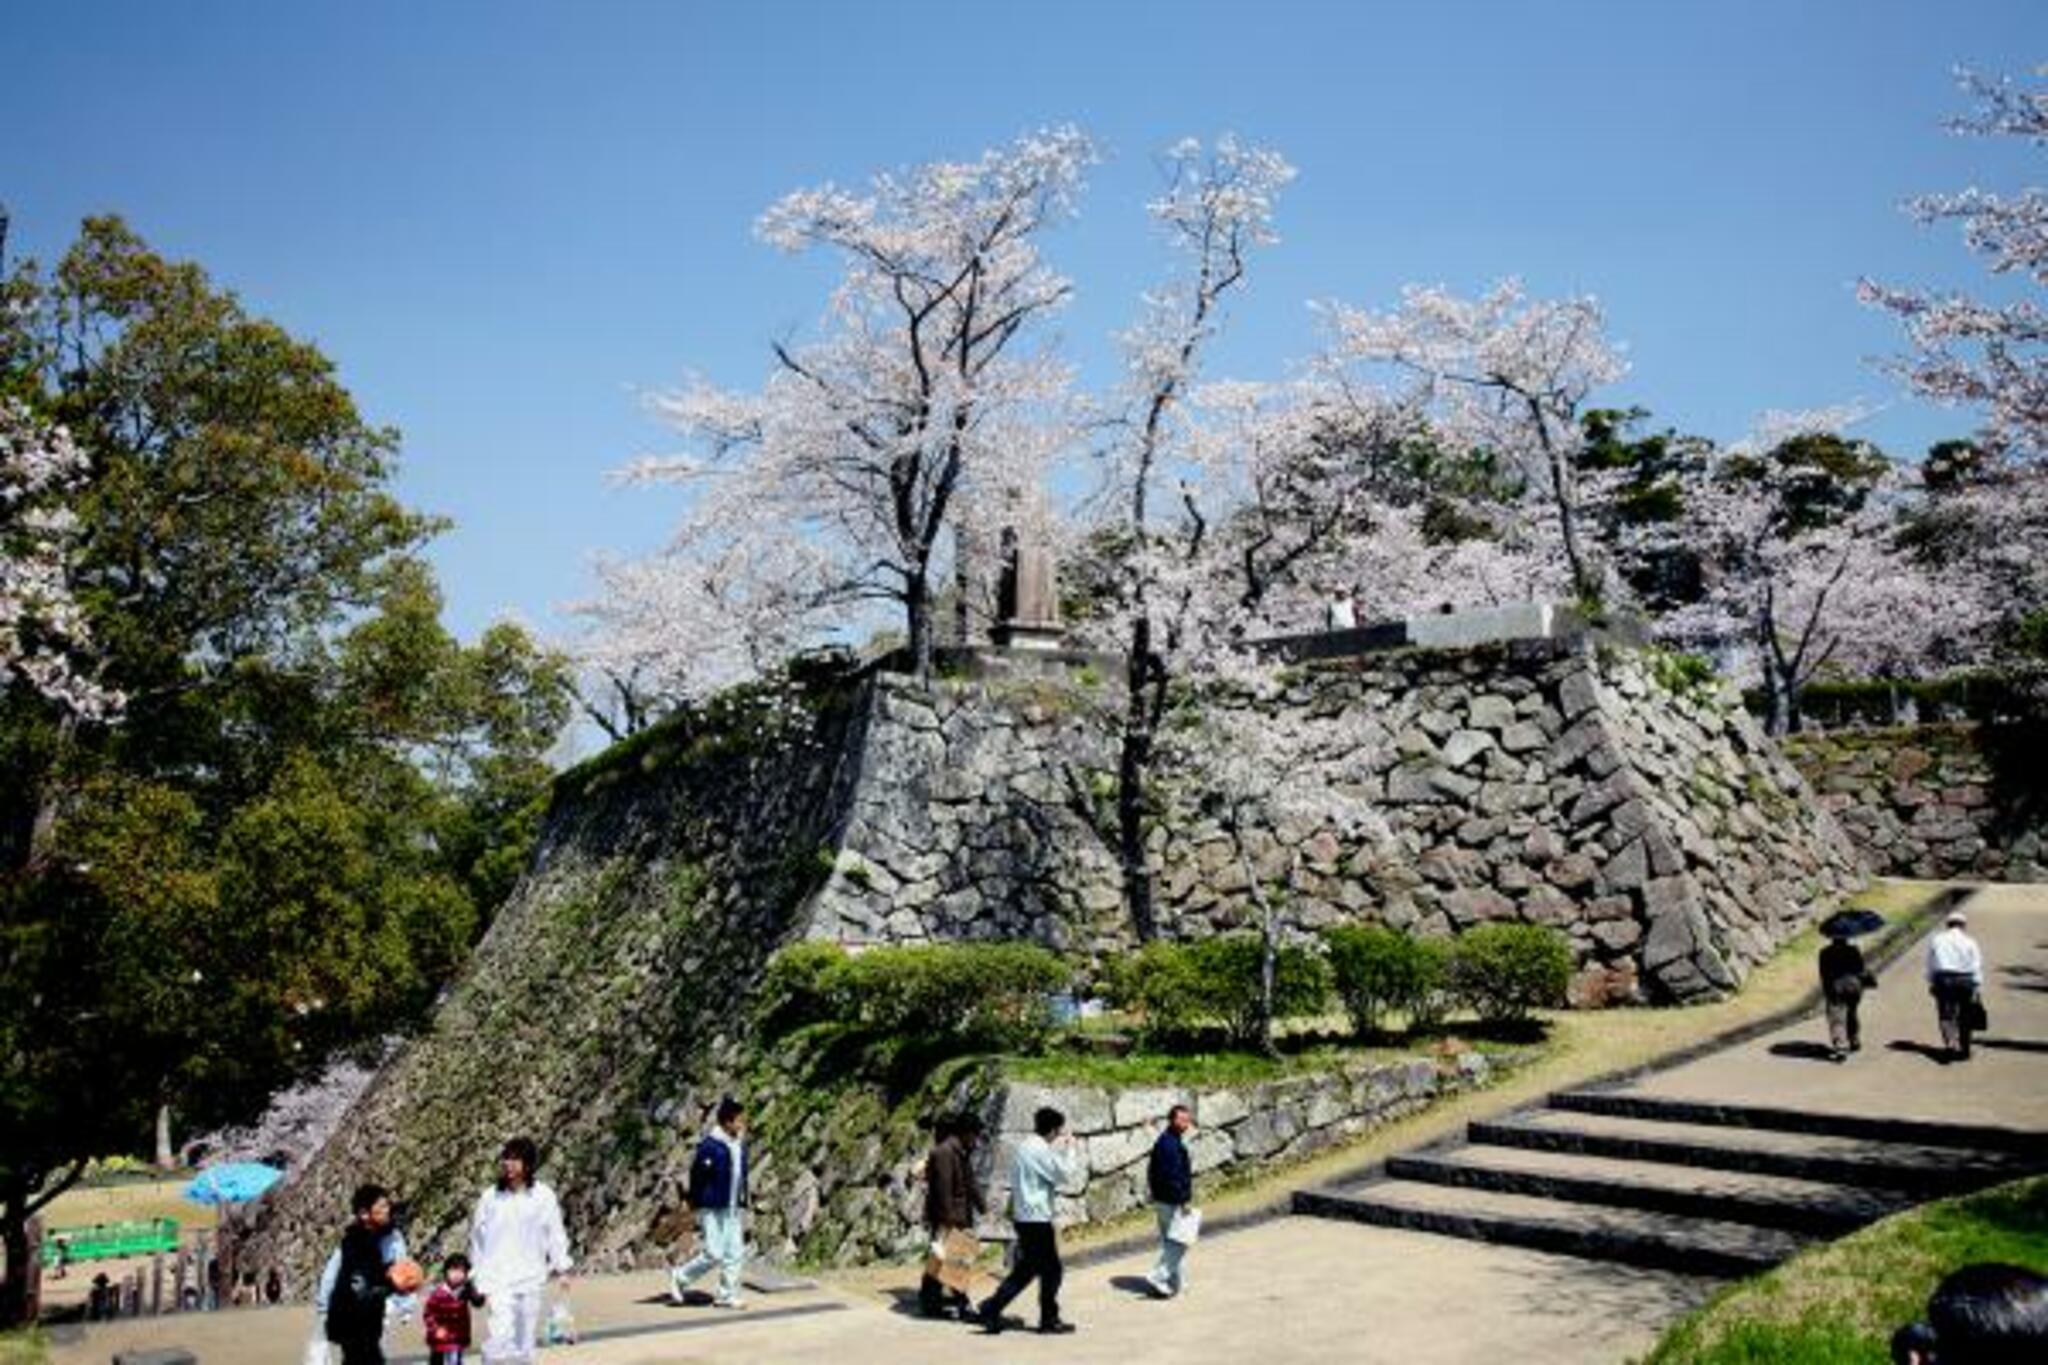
(314, 795)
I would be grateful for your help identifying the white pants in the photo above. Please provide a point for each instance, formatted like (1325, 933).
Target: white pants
(515, 1325)
(722, 1243)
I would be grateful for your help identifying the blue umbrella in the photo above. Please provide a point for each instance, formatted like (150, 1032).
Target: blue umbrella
(234, 1182)
(1852, 923)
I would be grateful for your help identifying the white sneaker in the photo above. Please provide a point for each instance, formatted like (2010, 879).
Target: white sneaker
(723, 1302)
(676, 1286)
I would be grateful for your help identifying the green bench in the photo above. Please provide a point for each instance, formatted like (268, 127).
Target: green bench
(105, 1241)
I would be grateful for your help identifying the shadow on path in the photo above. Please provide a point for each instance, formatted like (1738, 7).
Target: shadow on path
(1804, 1051)
(1937, 1055)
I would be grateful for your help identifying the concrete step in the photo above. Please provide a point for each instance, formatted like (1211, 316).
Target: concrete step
(1914, 1169)
(1693, 1246)
(1636, 1104)
(1812, 1208)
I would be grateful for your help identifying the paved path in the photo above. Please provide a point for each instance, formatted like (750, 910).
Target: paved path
(1294, 1290)
(1304, 1289)
(1896, 1075)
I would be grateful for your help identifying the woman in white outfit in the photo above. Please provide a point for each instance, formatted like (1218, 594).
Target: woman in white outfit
(516, 1244)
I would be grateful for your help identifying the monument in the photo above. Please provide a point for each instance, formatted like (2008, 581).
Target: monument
(1027, 596)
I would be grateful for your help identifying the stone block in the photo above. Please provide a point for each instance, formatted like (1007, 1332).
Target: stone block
(1145, 1106)
(1469, 905)
(1626, 870)
(1523, 737)
(1263, 1134)
(1218, 1108)
(1490, 712)
(1465, 745)
(1577, 694)
(1114, 1150)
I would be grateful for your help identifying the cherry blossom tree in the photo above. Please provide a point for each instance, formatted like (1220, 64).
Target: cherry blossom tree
(670, 629)
(44, 634)
(1216, 210)
(864, 442)
(1968, 351)
(1504, 374)
(1792, 524)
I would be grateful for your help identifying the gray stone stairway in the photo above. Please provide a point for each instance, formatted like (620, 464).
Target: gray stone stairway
(1705, 1189)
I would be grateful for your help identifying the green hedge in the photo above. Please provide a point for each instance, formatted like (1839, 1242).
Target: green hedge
(987, 996)
(1504, 972)
(1182, 990)
(1978, 696)
(1380, 971)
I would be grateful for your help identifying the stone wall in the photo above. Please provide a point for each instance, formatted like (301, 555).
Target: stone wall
(1239, 1129)
(1540, 781)
(610, 1005)
(1936, 801)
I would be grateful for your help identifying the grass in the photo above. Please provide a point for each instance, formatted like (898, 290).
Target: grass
(24, 1348)
(1838, 1304)
(124, 1201)
(1203, 1069)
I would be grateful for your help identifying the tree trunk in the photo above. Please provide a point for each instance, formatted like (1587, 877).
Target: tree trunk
(14, 1242)
(165, 1157)
(917, 608)
(1133, 772)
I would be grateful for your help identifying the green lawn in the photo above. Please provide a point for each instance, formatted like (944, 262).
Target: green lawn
(23, 1348)
(1837, 1304)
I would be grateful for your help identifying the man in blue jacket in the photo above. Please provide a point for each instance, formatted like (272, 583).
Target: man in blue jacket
(1170, 1174)
(718, 1192)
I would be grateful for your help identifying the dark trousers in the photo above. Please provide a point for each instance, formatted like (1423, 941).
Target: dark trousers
(1953, 993)
(1038, 1258)
(362, 1351)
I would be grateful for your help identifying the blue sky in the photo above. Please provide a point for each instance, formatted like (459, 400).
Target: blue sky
(505, 221)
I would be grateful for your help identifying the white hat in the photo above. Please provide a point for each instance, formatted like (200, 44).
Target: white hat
(1958, 917)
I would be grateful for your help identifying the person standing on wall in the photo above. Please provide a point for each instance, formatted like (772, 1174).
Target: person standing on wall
(1843, 979)
(952, 1202)
(1170, 1176)
(1044, 1165)
(516, 1244)
(718, 1192)
(1955, 975)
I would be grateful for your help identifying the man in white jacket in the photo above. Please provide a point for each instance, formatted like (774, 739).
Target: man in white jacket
(1955, 973)
(516, 1243)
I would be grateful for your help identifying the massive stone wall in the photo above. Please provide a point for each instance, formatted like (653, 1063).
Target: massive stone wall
(1936, 801)
(1544, 781)
(611, 1003)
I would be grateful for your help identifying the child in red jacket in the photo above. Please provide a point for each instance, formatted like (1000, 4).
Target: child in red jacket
(447, 1312)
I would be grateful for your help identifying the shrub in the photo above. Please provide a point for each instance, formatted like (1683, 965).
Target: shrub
(1378, 970)
(1182, 989)
(1504, 971)
(796, 990)
(975, 995)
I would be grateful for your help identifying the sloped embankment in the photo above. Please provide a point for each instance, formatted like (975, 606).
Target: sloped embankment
(602, 1012)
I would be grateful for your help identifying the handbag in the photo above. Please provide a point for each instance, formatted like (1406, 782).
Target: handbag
(952, 1259)
(1974, 1017)
(1185, 1227)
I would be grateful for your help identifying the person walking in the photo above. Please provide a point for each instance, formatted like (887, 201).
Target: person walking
(353, 1315)
(1955, 975)
(516, 1245)
(1044, 1165)
(952, 1203)
(718, 1192)
(1170, 1176)
(1843, 979)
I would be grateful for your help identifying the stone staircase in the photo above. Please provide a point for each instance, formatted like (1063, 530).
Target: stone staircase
(1704, 1189)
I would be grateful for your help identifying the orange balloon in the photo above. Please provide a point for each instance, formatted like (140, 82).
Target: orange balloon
(406, 1275)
